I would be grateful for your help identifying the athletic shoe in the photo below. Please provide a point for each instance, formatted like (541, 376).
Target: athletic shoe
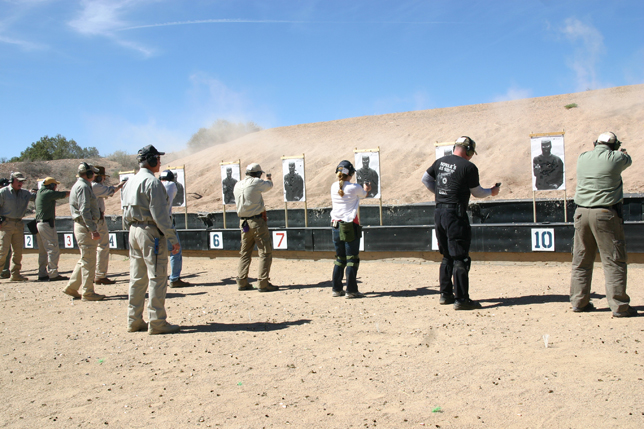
(337, 293)
(165, 329)
(586, 309)
(179, 283)
(93, 297)
(446, 299)
(631, 312)
(467, 305)
(71, 292)
(354, 295)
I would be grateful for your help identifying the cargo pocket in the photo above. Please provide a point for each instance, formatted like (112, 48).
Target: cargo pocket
(619, 251)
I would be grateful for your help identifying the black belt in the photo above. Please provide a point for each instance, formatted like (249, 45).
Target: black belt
(252, 217)
(597, 207)
(447, 206)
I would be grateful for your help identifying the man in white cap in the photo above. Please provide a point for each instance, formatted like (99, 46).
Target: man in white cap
(13, 206)
(252, 221)
(176, 259)
(145, 211)
(47, 237)
(102, 192)
(599, 226)
(85, 214)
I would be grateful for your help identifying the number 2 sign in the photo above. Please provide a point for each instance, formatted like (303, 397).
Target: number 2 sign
(279, 240)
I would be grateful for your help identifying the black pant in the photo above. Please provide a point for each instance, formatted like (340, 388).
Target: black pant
(454, 236)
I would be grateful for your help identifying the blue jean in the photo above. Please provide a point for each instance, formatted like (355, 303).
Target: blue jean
(176, 261)
(346, 255)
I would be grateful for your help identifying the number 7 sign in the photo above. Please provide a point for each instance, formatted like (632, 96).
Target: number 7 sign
(279, 240)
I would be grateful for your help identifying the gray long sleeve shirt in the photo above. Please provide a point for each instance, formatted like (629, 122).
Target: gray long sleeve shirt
(145, 200)
(102, 191)
(14, 204)
(83, 204)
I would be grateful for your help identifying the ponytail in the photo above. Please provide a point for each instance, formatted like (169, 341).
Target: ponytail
(341, 179)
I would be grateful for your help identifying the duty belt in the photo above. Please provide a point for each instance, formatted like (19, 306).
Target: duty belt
(252, 217)
(446, 206)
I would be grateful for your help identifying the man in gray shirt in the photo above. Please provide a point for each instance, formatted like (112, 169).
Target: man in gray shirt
(85, 214)
(145, 211)
(13, 206)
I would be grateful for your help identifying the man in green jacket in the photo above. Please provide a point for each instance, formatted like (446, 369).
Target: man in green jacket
(47, 237)
(599, 226)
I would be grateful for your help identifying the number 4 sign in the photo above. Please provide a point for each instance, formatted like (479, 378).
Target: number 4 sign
(113, 244)
(543, 240)
(279, 240)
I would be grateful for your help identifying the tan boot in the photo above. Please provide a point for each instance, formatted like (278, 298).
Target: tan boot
(164, 329)
(71, 292)
(93, 297)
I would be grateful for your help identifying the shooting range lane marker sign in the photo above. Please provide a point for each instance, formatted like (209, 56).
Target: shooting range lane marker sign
(113, 243)
(29, 241)
(216, 240)
(543, 239)
(69, 241)
(280, 240)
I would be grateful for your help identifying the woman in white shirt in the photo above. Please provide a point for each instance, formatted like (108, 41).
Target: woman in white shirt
(345, 198)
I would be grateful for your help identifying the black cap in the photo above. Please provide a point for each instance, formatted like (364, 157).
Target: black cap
(149, 150)
(345, 167)
(167, 175)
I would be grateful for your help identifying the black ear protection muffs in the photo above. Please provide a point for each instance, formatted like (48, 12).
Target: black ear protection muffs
(468, 144)
(152, 160)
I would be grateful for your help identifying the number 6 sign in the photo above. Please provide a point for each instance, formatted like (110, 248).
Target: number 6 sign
(279, 240)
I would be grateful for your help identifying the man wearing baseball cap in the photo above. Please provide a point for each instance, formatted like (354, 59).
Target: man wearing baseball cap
(84, 210)
(102, 192)
(599, 225)
(145, 212)
(252, 222)
(47, 237)
(13, 206)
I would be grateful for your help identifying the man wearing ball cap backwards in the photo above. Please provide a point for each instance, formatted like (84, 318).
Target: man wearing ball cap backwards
(146, 214)
(453, 178)
(599, 226)
(252, 222)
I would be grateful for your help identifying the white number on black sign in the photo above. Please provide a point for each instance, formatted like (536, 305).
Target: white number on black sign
(543, 240)
(279, 240)
(216, 240)
(69, 241)
(112, 240)
(29, 241)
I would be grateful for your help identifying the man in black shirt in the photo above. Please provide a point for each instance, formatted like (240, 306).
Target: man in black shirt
(453, 179)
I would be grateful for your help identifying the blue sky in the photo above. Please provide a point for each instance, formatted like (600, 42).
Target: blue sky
(121, 74)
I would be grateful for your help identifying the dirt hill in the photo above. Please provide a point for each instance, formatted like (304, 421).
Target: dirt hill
(406, 141)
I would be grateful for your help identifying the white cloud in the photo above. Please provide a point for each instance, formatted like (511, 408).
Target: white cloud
(26, 45)
(103, 18)
(514, 93)
(589, 48)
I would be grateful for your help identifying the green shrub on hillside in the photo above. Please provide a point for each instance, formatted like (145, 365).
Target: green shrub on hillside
(49, 148)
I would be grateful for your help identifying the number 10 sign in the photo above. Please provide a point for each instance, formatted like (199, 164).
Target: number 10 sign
(543, 240)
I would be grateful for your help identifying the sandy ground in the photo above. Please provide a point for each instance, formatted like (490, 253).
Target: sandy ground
(300, 358)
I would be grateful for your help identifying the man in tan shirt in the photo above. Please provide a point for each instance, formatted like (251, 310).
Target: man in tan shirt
(84, 210)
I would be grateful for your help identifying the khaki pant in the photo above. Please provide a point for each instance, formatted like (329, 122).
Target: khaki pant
(84, 270)
(12, 235)
(148, 272)
(48, 250)
(103, 250)
(599, 229)
(257, 235)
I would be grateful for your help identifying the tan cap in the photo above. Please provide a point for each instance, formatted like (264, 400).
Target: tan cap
(84, 168)
(50, 181)
(254, 168)
(18, 176)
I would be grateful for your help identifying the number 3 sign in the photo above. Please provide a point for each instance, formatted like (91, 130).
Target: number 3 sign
(279, 240)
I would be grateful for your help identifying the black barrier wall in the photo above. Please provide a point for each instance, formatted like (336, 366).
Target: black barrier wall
(497, 226)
